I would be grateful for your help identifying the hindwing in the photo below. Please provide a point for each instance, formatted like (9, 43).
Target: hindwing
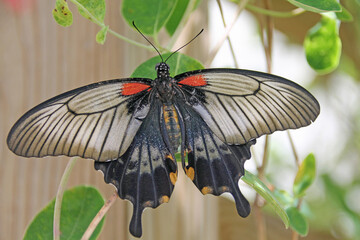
(147, 172)
(213, 166)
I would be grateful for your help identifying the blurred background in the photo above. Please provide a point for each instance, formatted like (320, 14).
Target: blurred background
(39, 59)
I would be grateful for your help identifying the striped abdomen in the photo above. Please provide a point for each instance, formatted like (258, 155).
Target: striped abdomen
(172, 126)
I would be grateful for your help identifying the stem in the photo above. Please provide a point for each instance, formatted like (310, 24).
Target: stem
(262, 167)
(218, 45)
(129, 40)
(59, 196)
(101, 24)
(294, 235)
(269, 26)
(292, 13)
(228, 38)
(96, 220)
(260, 220)
(293, 149)
(261, 226)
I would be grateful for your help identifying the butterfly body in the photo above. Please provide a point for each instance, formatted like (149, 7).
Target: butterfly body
(133, 127)
(172, 125)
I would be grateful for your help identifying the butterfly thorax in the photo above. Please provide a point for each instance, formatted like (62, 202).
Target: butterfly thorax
(164, 83)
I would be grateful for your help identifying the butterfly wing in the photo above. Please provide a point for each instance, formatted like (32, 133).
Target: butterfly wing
(240, 105)
(82, 122)
(147, 172)
(213, 166)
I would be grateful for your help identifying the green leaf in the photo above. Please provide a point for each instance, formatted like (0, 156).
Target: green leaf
(305, 175)
(317, 5)
(176, 16)
(284, 197)
(79, 206)
(323, 46)
(344, 15)
(265, 192)
(178, 63)
(337, 196)
(93, 10)
(101, 35)
(149, 16)
(297, 221)
(62, 14)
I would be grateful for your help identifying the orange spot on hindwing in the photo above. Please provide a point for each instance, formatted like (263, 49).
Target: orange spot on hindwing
(164, 199)
(173, 177)
(190, 173)
(206, 190)
(194, 81)
(133, 88)
(170, 157)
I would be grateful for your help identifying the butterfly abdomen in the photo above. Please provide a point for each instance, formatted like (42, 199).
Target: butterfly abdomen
(172, 125)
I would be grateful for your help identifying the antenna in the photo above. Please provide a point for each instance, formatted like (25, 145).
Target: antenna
(158, 50)
(148, 41)
(184, 45)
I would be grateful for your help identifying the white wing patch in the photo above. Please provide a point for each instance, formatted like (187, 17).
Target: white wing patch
(91, 122)
(240, 105)
(96, 100)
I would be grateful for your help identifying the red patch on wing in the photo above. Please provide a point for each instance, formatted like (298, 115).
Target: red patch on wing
(194, 81)
(133, 88)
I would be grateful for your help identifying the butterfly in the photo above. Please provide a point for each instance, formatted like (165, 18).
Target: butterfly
(133, 127)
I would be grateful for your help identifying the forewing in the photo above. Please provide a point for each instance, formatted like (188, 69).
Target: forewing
(97, 121)
(240, 105)
(147, 172)
(213, 166)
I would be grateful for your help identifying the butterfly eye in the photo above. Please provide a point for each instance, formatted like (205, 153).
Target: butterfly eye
(157, 66)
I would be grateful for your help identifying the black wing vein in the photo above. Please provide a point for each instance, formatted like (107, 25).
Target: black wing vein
(264, 103)
(94, 121)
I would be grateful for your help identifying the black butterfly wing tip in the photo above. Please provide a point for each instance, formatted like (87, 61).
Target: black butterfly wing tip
(242, 210)
(242, 206)
(135, 227)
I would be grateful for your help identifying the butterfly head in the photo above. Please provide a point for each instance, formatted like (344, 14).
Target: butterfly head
(162, 70)
(164, 83)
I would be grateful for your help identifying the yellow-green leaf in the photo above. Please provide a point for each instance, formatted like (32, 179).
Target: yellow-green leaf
(101, 35)
(93, 10)
(323, 46)
(62, 14)
(305, 175)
